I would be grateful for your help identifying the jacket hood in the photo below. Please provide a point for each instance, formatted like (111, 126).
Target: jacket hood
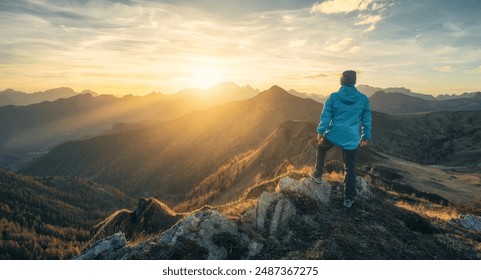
(349, 94)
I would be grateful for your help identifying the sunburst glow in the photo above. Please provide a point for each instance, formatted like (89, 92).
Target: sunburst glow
(204, 76)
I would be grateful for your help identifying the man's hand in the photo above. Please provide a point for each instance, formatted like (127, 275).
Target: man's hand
(320, 138)
(364, 143)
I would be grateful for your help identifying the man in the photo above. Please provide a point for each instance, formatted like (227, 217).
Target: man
(346, 123)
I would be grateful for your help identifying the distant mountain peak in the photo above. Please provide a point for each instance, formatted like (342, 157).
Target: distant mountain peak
(20, 98)
(275, 91)
(276, 88)
(150, 216)
(91, 92)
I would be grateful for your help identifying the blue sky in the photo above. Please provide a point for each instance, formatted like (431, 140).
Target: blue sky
(140, 46)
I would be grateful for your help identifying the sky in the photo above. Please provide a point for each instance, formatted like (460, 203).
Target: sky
(140, 46)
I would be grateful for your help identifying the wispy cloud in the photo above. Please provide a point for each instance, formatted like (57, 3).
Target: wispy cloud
(368, 11)
(64, 28)
(297, 43)
(354, 49)
(476, 70)
(320, 75)
(445, 68)
(370, 20)
(339, 46)
(341, 6)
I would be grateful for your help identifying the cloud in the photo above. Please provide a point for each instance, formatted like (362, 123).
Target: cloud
(320, 75)
(475, 70)
(297, 43)
(337, 47)
(370, 20)
(64, 28)
(367, 19)
(341, 6)
(446, 68)
(355, 49)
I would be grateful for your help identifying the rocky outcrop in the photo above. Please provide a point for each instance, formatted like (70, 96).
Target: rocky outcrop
(149, 218)
(107, 249)
(208, 234)
(273, 210)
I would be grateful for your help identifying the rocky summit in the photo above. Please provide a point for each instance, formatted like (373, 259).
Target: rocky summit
(295, 219)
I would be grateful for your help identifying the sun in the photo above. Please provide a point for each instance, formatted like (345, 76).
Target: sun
(205, 76)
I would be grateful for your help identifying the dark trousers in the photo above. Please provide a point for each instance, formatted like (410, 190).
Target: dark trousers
(348, 157)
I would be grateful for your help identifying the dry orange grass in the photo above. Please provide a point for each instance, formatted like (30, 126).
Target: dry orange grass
(334, 176)
(430, 210)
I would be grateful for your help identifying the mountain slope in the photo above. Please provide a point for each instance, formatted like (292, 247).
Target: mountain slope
(50, 217)
(169, 158)
(438, 138)
(293, 147)
(399, 103)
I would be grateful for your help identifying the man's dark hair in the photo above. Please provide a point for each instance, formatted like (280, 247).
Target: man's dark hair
(348, 78)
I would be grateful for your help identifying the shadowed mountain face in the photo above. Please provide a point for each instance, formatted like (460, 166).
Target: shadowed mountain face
(439, 138)
(50, 217)
(399, 103)
(168, 159)
(369, 91)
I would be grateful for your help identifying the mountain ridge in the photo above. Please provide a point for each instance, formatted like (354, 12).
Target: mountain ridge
(20, 98)
(400, 103)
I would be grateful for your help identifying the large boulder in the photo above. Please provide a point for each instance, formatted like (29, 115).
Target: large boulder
(208, 229)
(273, 210)
(105, 249)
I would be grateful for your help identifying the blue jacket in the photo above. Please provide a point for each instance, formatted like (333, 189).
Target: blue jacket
(346, 118)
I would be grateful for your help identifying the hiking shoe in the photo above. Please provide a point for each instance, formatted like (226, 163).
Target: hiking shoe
(317, 180)
(348, 203)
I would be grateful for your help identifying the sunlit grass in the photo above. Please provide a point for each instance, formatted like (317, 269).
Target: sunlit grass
(434, 211)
